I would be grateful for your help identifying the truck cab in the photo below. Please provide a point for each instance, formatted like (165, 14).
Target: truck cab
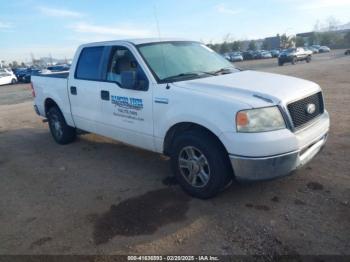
(181, 99)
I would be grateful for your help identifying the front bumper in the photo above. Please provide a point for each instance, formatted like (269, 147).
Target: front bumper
(285, 59)
(266, 168)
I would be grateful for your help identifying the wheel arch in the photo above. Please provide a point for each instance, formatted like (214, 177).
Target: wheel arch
(49, 103)
(181, 127)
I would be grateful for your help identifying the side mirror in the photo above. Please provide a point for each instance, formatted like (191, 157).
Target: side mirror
(128, 79)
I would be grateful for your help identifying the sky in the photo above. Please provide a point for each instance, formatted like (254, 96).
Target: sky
(57, 28)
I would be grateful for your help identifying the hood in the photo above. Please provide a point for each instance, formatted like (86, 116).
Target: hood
(256, 89)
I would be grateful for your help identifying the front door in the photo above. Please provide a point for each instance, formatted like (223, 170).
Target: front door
(126, 114)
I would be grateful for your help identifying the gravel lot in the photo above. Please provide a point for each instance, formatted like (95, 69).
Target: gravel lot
(97, 196)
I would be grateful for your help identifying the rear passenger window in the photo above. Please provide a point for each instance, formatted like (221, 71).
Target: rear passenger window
(88, 67)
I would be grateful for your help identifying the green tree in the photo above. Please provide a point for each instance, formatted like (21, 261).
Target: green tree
(299, 41)
(287, 41)
(252, 45)
(236, 46)
(284, 41)
(329, 38)
(224, 48)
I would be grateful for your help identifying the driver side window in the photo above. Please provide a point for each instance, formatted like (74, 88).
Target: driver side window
(122, 60)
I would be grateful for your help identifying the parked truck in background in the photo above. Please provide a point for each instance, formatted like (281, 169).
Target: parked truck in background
(293, 55)
(181, 99)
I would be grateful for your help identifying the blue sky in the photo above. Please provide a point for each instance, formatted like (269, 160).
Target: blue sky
(58, 27)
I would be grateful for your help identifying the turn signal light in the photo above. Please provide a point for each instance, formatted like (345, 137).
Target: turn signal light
(242, 119)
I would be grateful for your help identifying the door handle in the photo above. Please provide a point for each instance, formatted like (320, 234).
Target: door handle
(105, 95)
(73, 90)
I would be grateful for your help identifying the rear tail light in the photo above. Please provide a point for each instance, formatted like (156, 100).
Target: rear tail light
(33, 91)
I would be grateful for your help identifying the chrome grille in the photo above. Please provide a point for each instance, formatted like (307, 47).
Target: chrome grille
(298, 110)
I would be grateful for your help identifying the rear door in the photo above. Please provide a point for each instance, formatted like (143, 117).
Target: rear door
(84, 88)
(126, 114)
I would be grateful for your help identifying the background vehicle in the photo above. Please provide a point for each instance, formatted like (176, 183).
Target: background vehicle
(265, 54)
(236, 57)
(226, 56)
(317, 47)
(20, 73)
(275, 53)
(26, 78)
(257, 54)
(248, 55)
(293, 55)
(7, 77)
(213, 120)
(312, 49)
(324, 49)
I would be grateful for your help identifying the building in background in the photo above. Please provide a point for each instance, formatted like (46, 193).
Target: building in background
(273, 42)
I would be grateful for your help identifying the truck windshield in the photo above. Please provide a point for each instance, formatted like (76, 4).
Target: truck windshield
(177, 61)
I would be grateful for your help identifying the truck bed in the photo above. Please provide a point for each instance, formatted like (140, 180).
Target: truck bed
(55, 75)
(54, 86)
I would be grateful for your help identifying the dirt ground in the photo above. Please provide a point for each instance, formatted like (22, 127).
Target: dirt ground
(97, 196)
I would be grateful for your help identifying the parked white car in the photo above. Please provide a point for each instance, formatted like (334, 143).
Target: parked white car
(7, 77)
(182, 99)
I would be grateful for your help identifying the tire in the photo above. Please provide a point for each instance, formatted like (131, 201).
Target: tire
(280, 63)
(13, 81)
(60, 131)
(294, 60)
(308, 59)
(205, 168)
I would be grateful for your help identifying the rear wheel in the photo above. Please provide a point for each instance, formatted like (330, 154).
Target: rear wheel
(60, 131)
(13, 81)
(200, 164)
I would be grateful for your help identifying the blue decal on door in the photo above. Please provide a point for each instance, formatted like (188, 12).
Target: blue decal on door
(127, 102)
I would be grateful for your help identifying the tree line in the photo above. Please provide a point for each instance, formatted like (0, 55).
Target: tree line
(332, 39)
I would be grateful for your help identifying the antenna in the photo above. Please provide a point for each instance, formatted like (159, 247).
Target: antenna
(159, 37)
(157, 21)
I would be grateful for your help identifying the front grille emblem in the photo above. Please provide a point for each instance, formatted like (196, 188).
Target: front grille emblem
(310, 108)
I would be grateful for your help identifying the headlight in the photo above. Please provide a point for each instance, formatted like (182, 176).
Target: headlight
(259, 120)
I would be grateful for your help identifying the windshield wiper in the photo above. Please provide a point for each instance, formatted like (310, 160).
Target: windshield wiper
(185, 75)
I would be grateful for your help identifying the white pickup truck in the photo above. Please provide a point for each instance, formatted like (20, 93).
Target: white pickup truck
(181, 99)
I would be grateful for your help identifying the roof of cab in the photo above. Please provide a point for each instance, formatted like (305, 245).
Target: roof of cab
(136, 41)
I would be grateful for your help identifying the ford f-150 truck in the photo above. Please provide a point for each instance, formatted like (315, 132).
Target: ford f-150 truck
(181, 99)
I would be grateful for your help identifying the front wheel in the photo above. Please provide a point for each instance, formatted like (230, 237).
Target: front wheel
(13, 81)
(200, 164)
(280, 63)
(294, 60)
(60, 131)
(308, 59)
